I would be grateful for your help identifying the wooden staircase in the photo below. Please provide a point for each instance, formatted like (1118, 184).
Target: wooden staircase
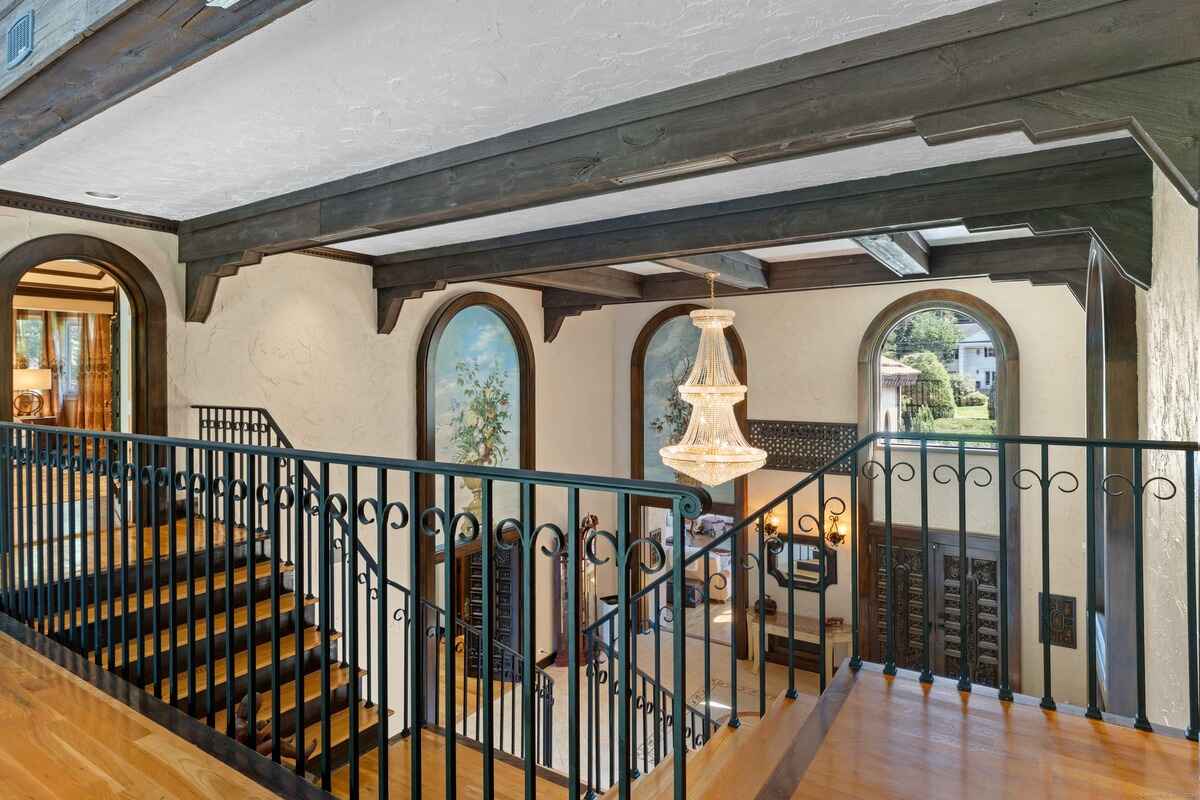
(145, 657)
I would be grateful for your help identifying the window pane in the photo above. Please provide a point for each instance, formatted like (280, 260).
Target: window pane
(937, 374)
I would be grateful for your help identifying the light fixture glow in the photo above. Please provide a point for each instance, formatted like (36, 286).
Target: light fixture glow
(713, 449)
(103, 195)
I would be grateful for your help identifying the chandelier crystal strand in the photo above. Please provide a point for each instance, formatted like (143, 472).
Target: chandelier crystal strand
(713, 449)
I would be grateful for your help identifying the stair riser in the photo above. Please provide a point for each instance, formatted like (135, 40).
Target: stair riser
(262, 588)
(310, 660)
(124, 585)
(242, 638)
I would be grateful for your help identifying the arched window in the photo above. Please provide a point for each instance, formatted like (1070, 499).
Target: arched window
(939, 361)
(475, 404)
(475, 401)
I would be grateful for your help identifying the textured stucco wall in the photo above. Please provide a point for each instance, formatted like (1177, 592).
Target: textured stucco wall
(802, 353)
(1169, 373)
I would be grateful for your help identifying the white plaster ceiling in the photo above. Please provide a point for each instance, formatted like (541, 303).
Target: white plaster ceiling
(872, 160)
(339, 87)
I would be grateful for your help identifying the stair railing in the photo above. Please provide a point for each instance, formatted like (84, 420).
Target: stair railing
(941, 492)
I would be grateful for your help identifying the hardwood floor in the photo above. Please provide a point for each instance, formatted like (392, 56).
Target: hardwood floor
(894, 738)
(509, 778)
(63, 739)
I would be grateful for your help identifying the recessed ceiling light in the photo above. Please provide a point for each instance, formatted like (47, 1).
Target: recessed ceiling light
(103, 195)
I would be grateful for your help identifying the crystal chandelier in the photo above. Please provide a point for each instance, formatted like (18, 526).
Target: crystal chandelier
(713, 449)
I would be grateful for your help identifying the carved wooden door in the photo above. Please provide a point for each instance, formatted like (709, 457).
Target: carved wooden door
(979, 595)
(908, 578)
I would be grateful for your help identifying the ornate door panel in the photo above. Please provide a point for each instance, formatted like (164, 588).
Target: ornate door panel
(979, 595)
(908, 577)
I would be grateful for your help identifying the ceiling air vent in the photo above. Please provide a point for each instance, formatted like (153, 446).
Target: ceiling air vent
(19, 40)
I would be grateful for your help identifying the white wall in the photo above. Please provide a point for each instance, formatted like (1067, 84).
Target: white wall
(1169, 379)
(802, 353)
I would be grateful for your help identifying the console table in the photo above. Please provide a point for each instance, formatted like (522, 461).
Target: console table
(838, 641)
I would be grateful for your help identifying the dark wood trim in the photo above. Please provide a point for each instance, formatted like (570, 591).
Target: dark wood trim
(601, 281)
(738, 510)
(258, 768)
(67, 208)
(803, 749)
(1041, 260)
(149, 307)
(1008, 421)
(149, 42)
(63, 273)
(1113, 393)
(1022, 64)
(66, 292)
(1017, 187)
(337, 254)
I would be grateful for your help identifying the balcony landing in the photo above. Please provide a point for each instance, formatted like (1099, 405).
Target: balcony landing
(890, 738)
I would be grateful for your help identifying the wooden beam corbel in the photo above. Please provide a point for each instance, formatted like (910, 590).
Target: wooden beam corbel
(1074, 279)
(204, 276)
(553, 317)
(1122, 227)
(390, 300)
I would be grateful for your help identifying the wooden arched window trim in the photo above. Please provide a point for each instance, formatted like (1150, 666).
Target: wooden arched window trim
(426, 414)
(737, 509)
(149, 324)
(1008, 422)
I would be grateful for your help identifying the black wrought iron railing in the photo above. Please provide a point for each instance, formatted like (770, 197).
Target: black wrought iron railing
(959, 489)
(255, 586)
(215, 597)
(256, 425)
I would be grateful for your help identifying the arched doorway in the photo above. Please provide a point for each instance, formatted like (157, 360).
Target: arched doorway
(146, 355)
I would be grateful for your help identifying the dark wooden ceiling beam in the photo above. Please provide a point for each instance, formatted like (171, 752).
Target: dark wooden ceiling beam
(1016, 186)
(904, 253)
(150, 41)
(600, 281)
(1041, 260)
(729, 269)
(1050, 69)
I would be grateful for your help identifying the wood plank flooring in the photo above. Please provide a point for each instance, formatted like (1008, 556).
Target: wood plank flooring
(64, 739)
(895, 739)
(509, 779)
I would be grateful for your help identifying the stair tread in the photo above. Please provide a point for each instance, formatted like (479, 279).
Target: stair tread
(660, 781)
(262, 569)
(241, 664)
(339, 729)
(262, 612)
(339, 676)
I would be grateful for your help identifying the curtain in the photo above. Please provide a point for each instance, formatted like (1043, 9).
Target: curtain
(80, 353)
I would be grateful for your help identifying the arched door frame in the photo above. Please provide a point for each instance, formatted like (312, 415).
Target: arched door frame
(1008, 422)
(737, 510)
(146, 300)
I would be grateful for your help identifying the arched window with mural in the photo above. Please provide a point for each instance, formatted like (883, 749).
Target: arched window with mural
(475, 405)
(662, 359)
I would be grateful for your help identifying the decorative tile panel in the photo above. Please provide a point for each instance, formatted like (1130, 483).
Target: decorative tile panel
(1062, 620)
(803, 446)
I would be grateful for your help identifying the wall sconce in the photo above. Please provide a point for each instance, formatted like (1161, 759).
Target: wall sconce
(771, 524)
(833, 535)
